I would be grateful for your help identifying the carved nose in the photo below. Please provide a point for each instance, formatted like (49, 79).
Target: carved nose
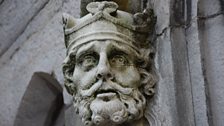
(104, 71)
(104, 75)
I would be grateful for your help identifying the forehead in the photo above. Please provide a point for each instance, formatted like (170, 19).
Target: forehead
(106, 46)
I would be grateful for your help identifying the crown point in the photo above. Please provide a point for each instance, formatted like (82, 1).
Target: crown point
(105, 6)
(68, 21)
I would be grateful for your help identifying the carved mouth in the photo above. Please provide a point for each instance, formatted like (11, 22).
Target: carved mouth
(106, 95)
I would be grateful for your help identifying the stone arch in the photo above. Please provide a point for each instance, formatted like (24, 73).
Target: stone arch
(42, 103)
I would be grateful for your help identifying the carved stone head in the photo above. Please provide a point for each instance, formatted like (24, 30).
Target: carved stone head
(109, 65)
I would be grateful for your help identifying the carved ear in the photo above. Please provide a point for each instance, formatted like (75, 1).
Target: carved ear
(69, 85)
(148, 82)
(70, 88)
(67, 71)
(68, 21)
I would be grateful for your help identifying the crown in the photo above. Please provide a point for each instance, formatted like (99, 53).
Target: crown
(105, 22)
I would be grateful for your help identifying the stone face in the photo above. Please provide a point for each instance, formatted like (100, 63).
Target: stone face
(109, 67)
(189, 31)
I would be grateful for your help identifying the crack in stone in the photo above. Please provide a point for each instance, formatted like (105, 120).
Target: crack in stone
(55, 11)
(30, 20)
(15, 51)
(170, 27)
(210, 16)
(45, 4)
(163, 31)
(187, 25)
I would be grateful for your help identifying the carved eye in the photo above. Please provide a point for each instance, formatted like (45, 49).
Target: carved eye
(118, 60)
(88, 61)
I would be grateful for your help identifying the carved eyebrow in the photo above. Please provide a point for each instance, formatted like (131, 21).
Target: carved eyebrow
(85, 49)
(127, 50)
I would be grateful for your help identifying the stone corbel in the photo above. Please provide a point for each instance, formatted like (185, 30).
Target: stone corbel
(109, 68)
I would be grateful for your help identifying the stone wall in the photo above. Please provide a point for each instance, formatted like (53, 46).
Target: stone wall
(32, 31)
(189, 59)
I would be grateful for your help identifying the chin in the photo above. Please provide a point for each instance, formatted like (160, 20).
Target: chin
(111, 107)
(107, 108)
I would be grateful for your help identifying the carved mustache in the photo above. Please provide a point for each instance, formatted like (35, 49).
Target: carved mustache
(95, 87)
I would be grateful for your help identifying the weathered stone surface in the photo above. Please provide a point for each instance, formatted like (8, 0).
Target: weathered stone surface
(41, 103)
(210, 7)
(39, 48)
(182, 77)
(72, 119)
(196, 75)
(211, 27)
(213, 55)
(160, 108)
(15, 16)
(162, 11)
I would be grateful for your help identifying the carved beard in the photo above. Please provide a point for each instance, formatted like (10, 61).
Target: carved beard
(114, 107)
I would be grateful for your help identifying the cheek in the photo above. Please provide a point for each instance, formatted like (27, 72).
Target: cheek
(83, 79)
(76, 74)
(129, 77)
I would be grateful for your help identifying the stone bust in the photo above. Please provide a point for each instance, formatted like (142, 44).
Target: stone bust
(109, 64)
